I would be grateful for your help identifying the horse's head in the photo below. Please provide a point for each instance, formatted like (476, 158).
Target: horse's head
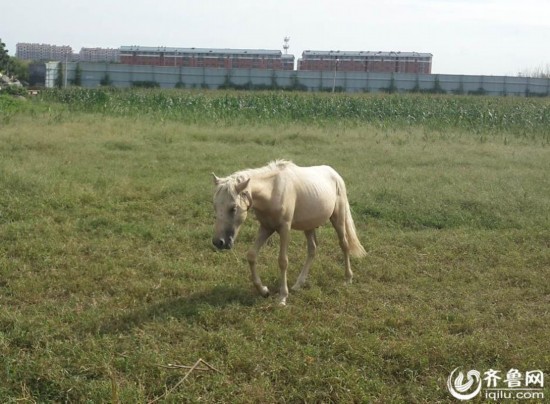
(231, 204)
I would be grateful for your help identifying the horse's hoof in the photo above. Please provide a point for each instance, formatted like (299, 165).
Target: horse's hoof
(264, 292)
(282, 302)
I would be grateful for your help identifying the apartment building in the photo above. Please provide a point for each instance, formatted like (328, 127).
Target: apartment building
(99, 55)
(206, 57)
(43, 52)
(366, 61)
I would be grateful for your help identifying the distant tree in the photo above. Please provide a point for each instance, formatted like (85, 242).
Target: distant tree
(274, 85)
(539, 72)
(145, 84)
(437, 89)
(393, 87)
(19, 68)
(59, 78)
(4, 57)
(11, 65)
(106, 80)
(78, 76)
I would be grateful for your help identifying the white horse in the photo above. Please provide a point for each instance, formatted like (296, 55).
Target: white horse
(284, 196)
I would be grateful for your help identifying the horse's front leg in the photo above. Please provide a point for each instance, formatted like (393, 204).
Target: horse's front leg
(252, 255)
(284, 234)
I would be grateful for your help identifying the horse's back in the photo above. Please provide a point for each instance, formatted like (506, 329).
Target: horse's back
(322, 178)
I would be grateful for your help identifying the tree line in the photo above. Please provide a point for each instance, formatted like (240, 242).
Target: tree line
(11, 66)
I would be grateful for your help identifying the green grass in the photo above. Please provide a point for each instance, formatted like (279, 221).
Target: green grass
(106, 272)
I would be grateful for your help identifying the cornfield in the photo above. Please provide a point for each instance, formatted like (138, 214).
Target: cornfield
(518, 116)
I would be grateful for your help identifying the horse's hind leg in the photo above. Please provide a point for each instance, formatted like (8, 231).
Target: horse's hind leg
(311, 247)
(338, 220)
(284, 234)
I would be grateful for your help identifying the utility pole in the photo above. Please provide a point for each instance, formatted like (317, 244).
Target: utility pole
(336, 61)
(66, 62)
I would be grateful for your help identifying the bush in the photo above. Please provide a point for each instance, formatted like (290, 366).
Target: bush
(14, 90)
(106, 80)
(145, 84)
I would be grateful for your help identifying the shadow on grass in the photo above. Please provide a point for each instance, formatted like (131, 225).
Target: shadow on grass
(185, 308)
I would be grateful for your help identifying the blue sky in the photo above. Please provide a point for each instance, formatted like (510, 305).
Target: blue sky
(491, 37)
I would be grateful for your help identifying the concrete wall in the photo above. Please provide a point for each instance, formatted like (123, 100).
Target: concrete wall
(167, 77)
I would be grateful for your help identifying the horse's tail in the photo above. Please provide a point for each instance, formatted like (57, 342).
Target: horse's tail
(355, 247)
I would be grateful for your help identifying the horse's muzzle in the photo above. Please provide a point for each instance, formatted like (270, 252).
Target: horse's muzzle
(222, 244)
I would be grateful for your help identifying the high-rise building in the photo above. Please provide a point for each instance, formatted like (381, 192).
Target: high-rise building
(45, 52)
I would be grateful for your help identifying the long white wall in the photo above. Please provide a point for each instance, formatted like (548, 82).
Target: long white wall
(92, 74)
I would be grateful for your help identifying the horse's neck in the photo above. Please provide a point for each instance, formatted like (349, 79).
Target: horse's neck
(262, 188)
(254, 172)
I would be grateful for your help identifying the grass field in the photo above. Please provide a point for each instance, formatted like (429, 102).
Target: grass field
(107, 275)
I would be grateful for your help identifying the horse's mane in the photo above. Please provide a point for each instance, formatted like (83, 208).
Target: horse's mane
(243, 175)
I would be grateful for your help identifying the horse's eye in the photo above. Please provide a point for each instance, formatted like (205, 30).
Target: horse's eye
(233, 210)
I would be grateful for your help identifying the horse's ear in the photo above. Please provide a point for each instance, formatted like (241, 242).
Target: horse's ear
(241, 186)
(216, 179)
